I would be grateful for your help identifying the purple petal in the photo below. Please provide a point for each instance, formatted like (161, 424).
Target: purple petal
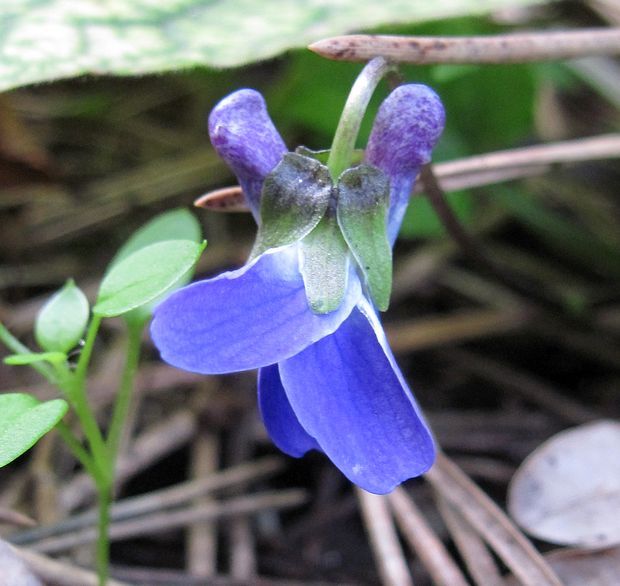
(407, 127)
(248, 318)
(348, 393)
(244, 136)
(284, 429)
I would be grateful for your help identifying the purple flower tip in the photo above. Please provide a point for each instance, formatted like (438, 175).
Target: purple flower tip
(244, 136)
(406, 129)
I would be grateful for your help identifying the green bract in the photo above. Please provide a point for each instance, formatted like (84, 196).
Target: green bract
(325, 265)
(363, 202)
(60, 324)
(294, 198)
(145, 275)
(23, 421)
(301, 204)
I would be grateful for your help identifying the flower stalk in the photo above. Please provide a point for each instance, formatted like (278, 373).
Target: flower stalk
(352, 115)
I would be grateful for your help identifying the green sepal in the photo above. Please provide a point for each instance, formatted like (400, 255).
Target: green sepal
(32, 357)
(61, 322)
(325, 265)
(363, 203)
(23, 421)
(294, 198)
(145, 275)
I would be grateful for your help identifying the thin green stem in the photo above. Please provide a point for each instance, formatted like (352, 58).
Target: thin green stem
(103, 468)
(89, 426)
(87, 350)
(80, 453)
(13, 344)
(103, 538)
(74, 386)
(343, 144)
(123, 397)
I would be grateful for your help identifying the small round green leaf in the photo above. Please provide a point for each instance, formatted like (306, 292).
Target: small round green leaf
(144, 275)
(179, 224)
(32, 357)
(23, 421)
(61, 322)
(294, 198)
(325, 265)
(363, 201)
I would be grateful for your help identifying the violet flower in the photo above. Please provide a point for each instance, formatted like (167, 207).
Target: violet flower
(326, 381)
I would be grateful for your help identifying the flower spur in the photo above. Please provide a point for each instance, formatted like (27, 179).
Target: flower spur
(327, 381)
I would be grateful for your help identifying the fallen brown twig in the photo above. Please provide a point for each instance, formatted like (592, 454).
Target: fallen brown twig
(508, 48)
(167, 520)
(420, 536)
(474, 171)
(383, 539)
(491, 523)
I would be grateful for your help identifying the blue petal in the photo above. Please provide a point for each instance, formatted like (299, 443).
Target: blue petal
(248, 318)
(407, 127)
(244, 136)
(278, 416)
(348, 393)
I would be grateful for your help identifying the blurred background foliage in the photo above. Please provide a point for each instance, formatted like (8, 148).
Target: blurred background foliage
(96, 127)
(84, 162)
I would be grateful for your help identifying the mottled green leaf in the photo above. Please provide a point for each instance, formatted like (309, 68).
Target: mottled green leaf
(61, 322)
(294, 198)
(145, 275)
(32, 357)
(325, 265)
(42, 40)
(23, 421)
(363, 202)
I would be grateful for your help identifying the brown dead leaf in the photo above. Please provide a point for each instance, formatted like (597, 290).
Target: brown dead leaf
(568, 490)
(576, 567)
(13, 570)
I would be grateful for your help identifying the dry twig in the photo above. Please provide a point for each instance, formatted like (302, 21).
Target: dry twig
(60, 573)
(524, 385)
(493, 525)
(476, 171)
(383, 539)
(422, 538)
(509, 48)
(243, 563)
(165, 498)
(477, 557)
(151, 445)
(167, 520)
(16, 518)
(201, 539)
(430, 332)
